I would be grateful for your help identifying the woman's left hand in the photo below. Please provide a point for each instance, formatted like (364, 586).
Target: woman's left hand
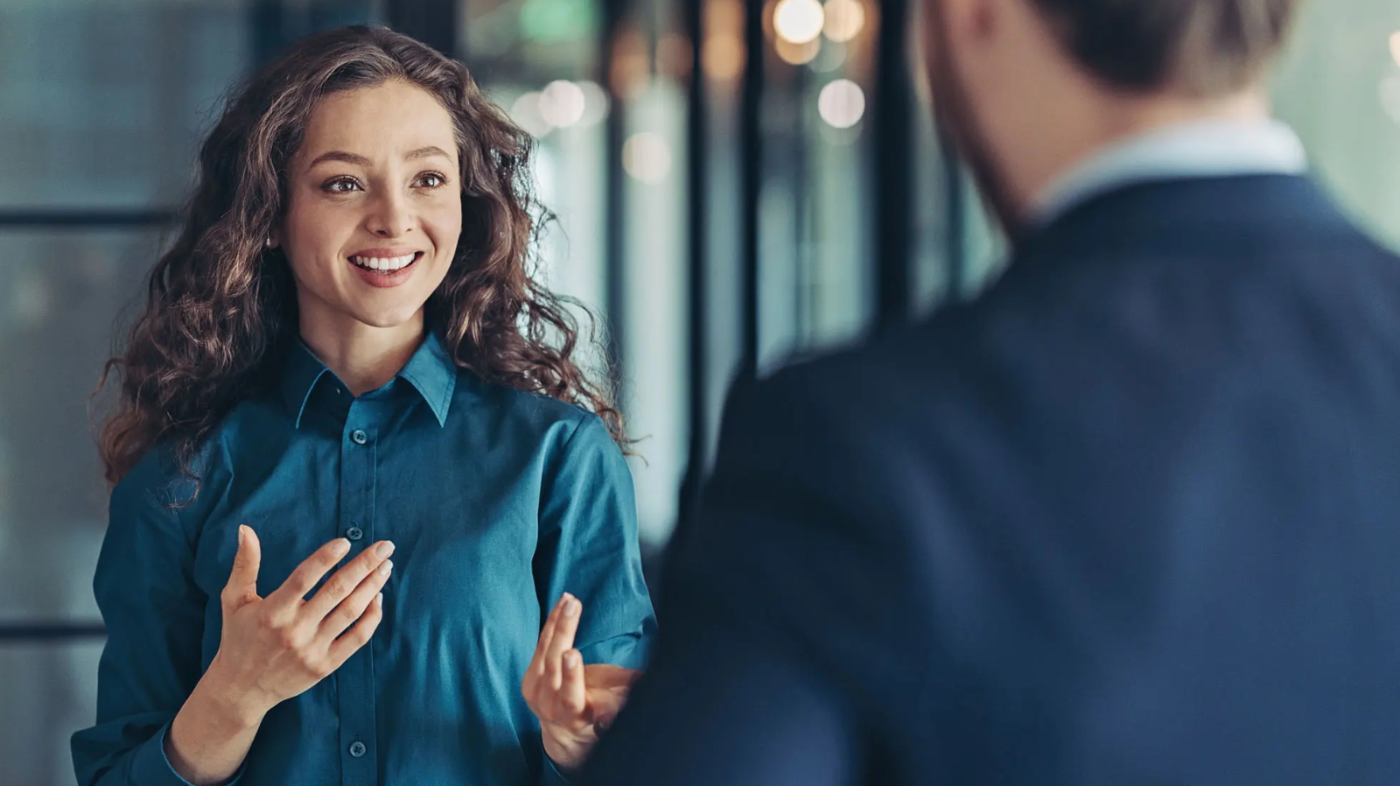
(574, 702)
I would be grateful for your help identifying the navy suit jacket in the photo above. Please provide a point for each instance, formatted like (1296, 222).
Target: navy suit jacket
(1128, 518)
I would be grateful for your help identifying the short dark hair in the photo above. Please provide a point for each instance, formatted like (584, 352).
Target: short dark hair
(1200, 47)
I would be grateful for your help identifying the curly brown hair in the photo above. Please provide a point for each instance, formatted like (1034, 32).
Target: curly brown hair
(220, 306)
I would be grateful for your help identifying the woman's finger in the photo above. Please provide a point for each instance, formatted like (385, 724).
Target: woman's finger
(345, 581)
(356, 637)
(565, 626)
(530, 685)
(608, 688)
(242, 586)
(537, 664)
(605, 676)
(310, 571)
(573, 697)
(353, 606)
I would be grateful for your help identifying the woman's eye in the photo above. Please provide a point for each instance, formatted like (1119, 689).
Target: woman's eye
(432, 179)
(343, 185)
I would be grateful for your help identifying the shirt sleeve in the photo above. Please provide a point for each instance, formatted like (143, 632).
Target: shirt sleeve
(588, 546)
(153, 612)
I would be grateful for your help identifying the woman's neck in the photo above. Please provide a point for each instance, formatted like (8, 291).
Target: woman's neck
(364, 357)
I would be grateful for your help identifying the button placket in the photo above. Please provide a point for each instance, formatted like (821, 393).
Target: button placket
(355, 678)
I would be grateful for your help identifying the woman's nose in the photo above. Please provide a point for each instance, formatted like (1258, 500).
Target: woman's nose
(390, 216)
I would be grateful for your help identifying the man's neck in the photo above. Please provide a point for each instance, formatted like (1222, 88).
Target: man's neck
(1112, 122)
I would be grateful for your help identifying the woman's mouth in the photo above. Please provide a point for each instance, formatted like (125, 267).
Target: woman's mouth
(385, 271)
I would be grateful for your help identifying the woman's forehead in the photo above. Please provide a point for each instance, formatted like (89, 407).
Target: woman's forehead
(391, 120)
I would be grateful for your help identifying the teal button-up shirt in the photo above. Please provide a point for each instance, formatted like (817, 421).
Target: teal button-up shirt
(497, 502)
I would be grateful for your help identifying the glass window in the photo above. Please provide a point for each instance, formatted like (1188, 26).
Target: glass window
(103, 103)
(67, 296)
(1339, 87)
(54, 695)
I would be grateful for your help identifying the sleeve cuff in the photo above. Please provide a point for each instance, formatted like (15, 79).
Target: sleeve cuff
(630, 650)
(151, 767)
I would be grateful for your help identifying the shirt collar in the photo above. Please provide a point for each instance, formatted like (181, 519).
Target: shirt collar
(430, 371)
(1204, 148)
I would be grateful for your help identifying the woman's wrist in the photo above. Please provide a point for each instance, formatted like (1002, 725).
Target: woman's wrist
(212, 732)
(566, 751)
(231, 706)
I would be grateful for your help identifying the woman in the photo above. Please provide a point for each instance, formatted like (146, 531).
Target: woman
(343, 357)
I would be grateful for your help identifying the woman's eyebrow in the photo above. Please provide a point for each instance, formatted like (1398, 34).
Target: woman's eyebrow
(352, 158)
(340, 155)
(424, 152)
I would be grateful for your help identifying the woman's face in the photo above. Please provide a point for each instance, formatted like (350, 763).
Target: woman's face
(374, 209)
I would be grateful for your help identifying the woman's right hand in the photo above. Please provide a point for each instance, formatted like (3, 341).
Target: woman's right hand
(277, 647)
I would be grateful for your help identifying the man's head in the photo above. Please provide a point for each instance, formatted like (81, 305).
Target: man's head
(1029, 87)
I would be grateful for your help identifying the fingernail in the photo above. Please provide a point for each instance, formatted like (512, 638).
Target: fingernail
(387, 566)
(385, 549)
(571, 606)
(242, 535)
(379, 599)
(571, 660)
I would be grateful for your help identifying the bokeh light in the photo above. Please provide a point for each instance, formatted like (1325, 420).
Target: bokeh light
(562, 103)
(841, 103)
(844, 19)
(798, 21)
(595, 103)
(525, 111)
(723, 56)
(797, 54)
(1390, 97)
(647, 157)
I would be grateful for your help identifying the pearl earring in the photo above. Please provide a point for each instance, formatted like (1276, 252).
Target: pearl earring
(267, 242)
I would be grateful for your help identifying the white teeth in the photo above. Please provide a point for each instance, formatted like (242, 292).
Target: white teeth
(383, 263)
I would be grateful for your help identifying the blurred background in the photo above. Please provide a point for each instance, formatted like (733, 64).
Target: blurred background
(736, 183)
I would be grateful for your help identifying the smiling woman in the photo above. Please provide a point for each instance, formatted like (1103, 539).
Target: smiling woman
(344, 356)
(371, 225)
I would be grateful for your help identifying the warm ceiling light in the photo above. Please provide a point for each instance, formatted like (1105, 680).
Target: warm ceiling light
(723, 56)
(798, 21)
(844, 19)
(797, 54)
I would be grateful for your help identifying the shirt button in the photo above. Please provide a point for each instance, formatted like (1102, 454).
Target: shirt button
(359, 437)
(354, 533)
(357, 749)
